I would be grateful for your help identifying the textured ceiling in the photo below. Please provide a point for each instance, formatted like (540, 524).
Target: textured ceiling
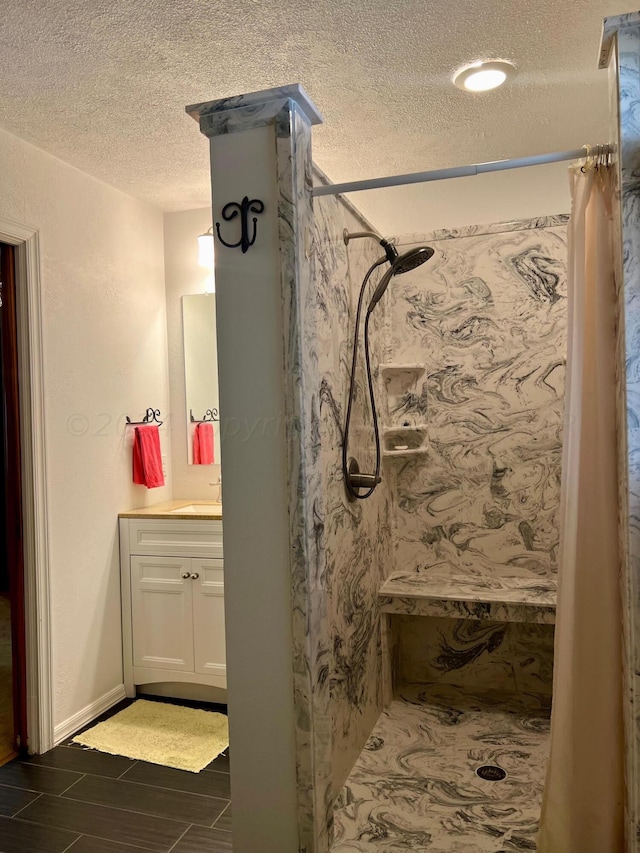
(103, 86)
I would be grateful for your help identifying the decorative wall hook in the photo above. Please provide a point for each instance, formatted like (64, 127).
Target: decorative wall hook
(231, 210)
(152, 416)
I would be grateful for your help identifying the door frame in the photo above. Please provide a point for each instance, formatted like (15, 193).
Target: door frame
(12, 499)
(34, 483)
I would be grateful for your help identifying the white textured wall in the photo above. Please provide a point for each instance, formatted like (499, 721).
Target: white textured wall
(105, 356)
(183, 276)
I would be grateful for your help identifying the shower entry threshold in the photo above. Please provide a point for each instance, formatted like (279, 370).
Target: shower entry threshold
(450, 771)
(499, 599)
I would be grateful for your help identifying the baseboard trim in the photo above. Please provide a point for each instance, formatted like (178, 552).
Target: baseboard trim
(70, 726)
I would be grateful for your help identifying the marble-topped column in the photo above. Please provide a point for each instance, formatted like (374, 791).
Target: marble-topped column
(620, 53)
(261, 153)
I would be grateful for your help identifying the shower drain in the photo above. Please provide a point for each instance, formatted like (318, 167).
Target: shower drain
(491, 773)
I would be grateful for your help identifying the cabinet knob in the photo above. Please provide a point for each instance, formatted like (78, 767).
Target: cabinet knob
(185, 575)
(194, 576)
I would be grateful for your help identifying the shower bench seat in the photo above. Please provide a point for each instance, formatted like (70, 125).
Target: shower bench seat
(500, 599)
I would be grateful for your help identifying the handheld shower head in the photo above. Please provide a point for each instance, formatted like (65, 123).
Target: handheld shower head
(355, 481)
(412, 259)
(403, 263)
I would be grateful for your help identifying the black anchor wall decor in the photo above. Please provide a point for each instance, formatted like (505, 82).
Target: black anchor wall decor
(230, 212)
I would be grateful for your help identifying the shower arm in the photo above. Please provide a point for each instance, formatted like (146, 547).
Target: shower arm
(355, 235)
(390, 250)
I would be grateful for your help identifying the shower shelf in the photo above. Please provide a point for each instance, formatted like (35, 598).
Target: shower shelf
(396, 368)
(400, 380)
(403, 441)
(406, 409)
(458, 596)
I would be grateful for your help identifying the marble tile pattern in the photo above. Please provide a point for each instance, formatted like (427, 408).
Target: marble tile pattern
(611, 26)
(624, 81)
(482, 230)
(630, 700)
(357, 535)
(306, 508)
(510, 657)
(251, 109)
(487, 318)
(440, 593)
(415, 788)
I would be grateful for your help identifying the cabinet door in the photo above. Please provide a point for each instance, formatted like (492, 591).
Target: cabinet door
(208, 617)
(162, 613)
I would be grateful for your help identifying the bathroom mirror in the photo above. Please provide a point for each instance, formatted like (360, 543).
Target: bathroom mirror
(201, 370)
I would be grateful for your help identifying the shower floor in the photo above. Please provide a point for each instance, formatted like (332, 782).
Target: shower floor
(414, 786)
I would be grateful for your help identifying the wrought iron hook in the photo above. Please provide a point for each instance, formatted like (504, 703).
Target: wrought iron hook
(231, 210)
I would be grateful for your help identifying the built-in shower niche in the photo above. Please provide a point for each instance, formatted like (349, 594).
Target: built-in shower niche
(404, 441)
(405, 413)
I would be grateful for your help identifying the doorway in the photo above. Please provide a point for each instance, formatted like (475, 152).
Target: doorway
(13, 734)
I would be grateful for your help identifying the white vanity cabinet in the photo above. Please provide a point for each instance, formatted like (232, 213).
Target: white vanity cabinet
(172, 586)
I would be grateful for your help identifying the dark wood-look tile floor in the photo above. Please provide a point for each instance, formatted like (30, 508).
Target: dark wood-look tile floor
(82, 801)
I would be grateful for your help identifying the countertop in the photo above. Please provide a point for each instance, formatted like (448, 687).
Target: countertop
(171, 509)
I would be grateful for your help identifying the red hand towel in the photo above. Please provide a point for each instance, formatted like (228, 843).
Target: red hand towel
(203, 452)
(147, 458)
(196, 445)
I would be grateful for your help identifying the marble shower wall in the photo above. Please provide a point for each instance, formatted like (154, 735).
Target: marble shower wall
(487, 318)
(357, 536)
(508, 657)
(620, 53)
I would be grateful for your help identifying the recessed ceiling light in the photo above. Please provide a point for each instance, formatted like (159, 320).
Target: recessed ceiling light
(482, 76)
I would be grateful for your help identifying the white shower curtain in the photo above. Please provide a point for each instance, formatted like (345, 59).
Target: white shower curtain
(584, 794)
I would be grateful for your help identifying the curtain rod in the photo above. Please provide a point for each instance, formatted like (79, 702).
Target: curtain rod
(456, 172)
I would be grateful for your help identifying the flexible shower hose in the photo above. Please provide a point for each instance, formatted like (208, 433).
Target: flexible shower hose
(354, 362)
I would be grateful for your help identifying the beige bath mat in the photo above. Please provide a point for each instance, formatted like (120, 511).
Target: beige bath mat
(184, 738)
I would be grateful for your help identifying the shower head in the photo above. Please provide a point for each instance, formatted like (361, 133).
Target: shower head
(403, 263)
(411, 259)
